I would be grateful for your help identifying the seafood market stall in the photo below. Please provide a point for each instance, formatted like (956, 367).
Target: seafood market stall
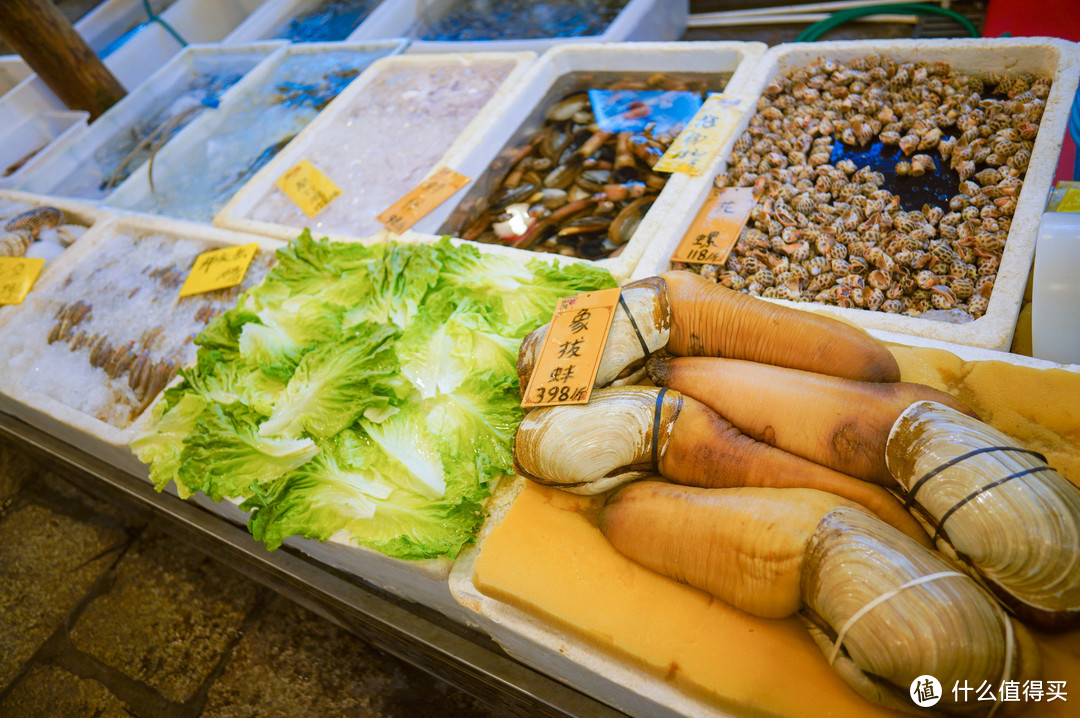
(603, 378)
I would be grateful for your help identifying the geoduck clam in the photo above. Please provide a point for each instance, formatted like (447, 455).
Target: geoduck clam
(995, 506)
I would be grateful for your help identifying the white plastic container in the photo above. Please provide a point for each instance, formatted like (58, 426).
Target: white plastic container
(33, 141)
(523, 115)
(12, 71)
(273, 15)
(255, 116)
(1055, 297)
(639, 20)
(27, 98)
(35, 397)
(79, 169)
(151, 46)
(108, 23)
(1047, 56)
(248, 209)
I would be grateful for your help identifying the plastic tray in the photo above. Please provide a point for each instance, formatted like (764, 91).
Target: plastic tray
(272, 15)
(523, 114)
(78, 428)
(639, 20)
(31, 143)
(136, 194)
(1049, 56)
(57, 176)
(107, 26)
(237, 214)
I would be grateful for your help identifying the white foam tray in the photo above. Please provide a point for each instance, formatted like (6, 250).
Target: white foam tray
(236, 214)
(574, 661)
(112, 19)
(1048, 56)
(75, 427)
(272, 15)
(45, 134)
(639, 20)
(150, 98)
(523, 115)
(195, 136)
(29, 97)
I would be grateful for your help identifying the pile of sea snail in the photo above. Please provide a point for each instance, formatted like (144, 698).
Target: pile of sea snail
(832, 234)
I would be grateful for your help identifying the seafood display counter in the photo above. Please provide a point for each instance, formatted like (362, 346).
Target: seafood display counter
(354, 403)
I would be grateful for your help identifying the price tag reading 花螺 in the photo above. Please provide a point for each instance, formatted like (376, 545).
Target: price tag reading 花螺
(570, 356)
(716, 227)
(425, 197)
(218, 269)
(17, 277)
(707, 132)
(309, 188)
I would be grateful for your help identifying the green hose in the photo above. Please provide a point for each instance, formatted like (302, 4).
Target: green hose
(818, 29)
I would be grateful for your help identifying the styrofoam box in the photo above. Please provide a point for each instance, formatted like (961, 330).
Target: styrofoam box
(34, 140)
(29, 97)
(146, 101)
(75, 427)
(236, 214)
(572, 660)
(151, 46)
(1046, 56)
(82, 212)
(523, 115)
(12, 71)
(111, 20)
(639, 20)
(195, 137)
(273, 15)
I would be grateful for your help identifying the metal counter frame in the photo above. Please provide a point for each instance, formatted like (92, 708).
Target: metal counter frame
(413, 633)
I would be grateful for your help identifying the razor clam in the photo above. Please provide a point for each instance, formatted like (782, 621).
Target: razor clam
(995, 506)
(883, 609)
(639, 328)
(594, 456)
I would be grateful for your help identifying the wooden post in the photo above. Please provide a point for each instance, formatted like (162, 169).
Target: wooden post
(49, 44)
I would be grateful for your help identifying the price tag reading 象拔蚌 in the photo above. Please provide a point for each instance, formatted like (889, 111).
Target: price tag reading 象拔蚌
(17, 277)
(707, 132)
(570, 356)
(309, 188)
(218, 269)
(716, 227)
(423, 198)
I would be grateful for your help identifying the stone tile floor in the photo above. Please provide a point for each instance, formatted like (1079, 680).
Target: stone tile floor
(103, 614)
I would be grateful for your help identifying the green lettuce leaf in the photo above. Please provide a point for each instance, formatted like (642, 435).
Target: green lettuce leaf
(336, 383)
(161, 445)
(225, 456)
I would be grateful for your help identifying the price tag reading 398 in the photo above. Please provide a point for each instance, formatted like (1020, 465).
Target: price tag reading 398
(570, 356)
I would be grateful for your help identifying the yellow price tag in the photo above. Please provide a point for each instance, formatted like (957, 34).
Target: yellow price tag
(309, 188)
(705, 134)
(423, 198)
(716, 227)
(570, 357)
(17, 276)
(218, 269)
(1070, 201)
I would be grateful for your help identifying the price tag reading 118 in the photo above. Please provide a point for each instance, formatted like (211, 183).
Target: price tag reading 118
(716, 227)
(309, 188)
(219, 269)
(570, 356)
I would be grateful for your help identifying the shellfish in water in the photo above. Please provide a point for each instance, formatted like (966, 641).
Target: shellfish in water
(995, 506)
